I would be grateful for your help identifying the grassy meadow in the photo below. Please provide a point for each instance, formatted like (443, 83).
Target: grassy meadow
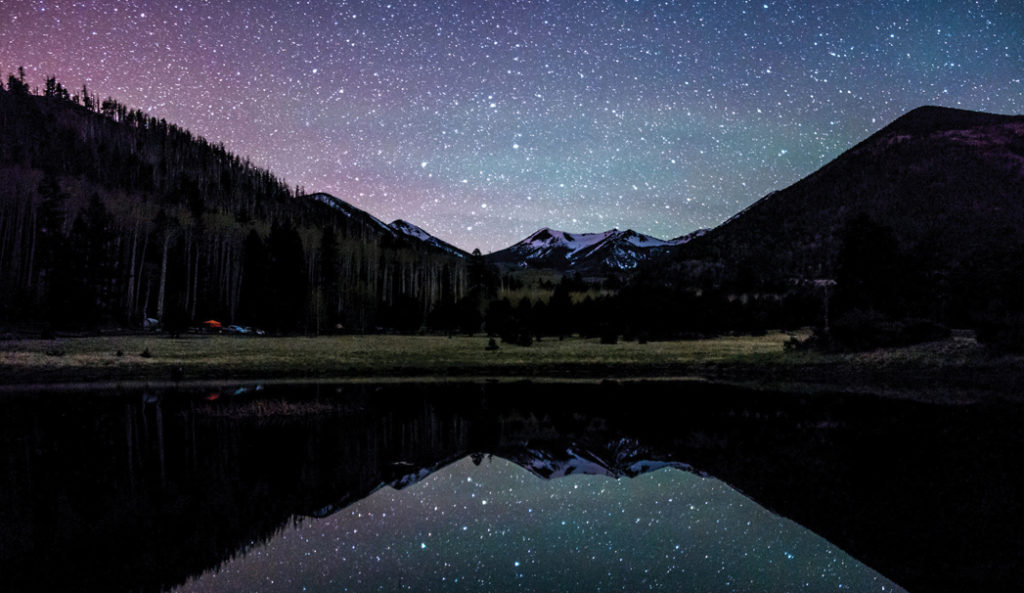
(957, 368)
(213, 357)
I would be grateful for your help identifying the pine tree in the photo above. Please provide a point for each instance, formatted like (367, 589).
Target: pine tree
(287, 280)
(81, 303)
(87, 101)
(16, 85)
(329, 277)
(100, 259)
(869, 268)
(252, 308)
(50, 239)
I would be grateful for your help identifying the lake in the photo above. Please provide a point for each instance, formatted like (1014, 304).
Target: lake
(661, 486)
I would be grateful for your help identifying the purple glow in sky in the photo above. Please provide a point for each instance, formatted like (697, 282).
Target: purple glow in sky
(484, 121)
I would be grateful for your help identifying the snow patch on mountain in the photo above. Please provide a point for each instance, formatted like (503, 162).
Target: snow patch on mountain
(546, 241)
(408, 229)
(612, 249)
(349, 210)
(616, 461)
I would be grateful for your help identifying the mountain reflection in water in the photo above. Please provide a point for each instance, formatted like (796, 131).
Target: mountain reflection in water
(148, 491)
(497, 527)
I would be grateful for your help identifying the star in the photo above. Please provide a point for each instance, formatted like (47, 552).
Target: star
(712, 104)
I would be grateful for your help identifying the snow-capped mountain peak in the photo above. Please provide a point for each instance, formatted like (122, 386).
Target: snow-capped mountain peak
(349, 210)
(408, 229)
(398, 228)
(589, 252)
(547, 240)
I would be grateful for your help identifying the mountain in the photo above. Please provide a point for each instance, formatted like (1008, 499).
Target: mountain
(109, 216)
(548, 460)
(400, 230)
(410, 230)
(351, 212)
(618, 459)
(947, 184)
(587, 253)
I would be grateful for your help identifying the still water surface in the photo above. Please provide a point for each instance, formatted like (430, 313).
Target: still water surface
(497, 527)
(506, 487)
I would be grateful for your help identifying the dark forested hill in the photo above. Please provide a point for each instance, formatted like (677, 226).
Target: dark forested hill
(952, 179)
(109, 216)
(936, 198)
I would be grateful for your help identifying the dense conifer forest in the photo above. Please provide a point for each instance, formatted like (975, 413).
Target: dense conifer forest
(110, 217)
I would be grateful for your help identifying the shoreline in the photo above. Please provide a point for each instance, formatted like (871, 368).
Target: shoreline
(956, 370)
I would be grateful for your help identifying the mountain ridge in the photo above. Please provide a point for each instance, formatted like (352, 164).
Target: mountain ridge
(398, 229)
(947, 183)
(409, 229)
(597, 253)
(124, 217)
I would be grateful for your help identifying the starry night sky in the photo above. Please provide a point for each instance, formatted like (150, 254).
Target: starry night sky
(496, 527)
(484, 121)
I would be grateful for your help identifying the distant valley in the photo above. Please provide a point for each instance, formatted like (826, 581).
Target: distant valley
(110, 218)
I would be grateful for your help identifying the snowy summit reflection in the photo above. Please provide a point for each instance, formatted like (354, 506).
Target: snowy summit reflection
(487, 524)
(151, 491)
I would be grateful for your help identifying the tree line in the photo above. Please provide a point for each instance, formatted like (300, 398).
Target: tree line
(109, 217)
(641, 309)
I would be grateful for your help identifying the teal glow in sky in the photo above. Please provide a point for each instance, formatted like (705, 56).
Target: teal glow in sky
(482, 122)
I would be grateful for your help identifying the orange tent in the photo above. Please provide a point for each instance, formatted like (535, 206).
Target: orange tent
(212, 324)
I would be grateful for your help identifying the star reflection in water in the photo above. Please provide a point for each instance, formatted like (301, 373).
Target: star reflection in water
(494, 526)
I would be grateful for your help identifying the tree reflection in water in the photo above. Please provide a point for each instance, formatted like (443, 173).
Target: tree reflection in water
(141, 492)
